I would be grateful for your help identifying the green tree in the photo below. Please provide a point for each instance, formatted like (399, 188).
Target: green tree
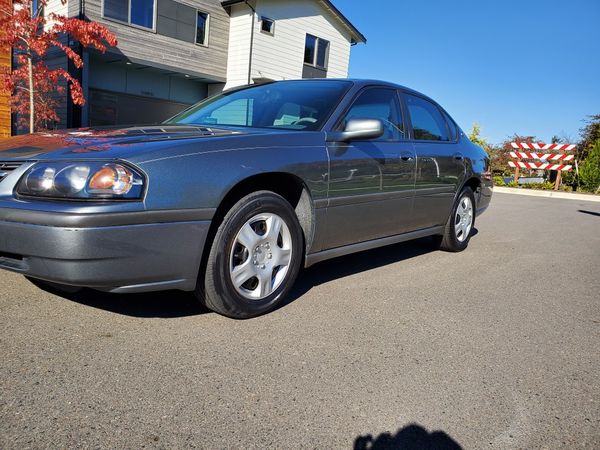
(500, 154)
(590, 134)
(589, 171)
(475, 137)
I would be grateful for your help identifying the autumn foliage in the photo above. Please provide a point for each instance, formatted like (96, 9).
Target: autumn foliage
(32, 84)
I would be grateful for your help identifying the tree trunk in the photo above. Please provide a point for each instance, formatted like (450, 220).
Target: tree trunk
(31, 102)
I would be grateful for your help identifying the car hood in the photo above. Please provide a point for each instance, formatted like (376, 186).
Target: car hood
(105, 142)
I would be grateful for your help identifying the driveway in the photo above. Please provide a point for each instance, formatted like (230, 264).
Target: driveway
(496, 347)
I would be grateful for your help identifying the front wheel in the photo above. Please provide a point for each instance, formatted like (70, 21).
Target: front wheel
(255, 257)
(457, 232)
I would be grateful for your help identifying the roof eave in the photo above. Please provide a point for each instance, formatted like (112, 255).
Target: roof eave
(356, 37)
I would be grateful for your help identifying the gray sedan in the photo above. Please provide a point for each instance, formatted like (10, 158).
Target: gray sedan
(230, 198)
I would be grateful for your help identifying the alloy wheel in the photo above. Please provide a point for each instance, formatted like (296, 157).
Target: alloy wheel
(463, 221)
(260, 256)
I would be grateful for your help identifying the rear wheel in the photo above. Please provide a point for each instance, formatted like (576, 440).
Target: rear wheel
(457, 232)
(254, 258)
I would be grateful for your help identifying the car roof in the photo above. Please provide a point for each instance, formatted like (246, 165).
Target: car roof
(360, 82)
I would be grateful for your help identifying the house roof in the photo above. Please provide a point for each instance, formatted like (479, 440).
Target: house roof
(356, 36)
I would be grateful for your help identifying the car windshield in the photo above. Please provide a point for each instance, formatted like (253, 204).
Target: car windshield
(291, 105)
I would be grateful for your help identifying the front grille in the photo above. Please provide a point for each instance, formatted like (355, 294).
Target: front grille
(7, 167)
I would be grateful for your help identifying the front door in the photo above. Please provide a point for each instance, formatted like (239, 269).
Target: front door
(371, 184)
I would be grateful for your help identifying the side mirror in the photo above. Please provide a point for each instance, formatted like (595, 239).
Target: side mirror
(357, 129)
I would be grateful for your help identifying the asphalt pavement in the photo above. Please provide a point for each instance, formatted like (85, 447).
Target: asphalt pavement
(497, 347)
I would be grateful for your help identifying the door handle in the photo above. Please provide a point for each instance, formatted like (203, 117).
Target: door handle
(459, 156)
(406, 157)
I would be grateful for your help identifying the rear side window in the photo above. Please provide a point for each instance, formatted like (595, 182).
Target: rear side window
(451, 126)
(379, 103)
(427, 121)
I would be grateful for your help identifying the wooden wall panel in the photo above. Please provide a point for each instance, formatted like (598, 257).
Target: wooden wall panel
(5, 63)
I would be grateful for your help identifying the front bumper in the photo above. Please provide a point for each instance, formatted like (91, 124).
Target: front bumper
(150, 253)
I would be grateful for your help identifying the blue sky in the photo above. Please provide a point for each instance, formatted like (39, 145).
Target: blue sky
(530, 67)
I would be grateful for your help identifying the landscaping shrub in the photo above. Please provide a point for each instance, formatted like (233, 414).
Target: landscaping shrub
(589, 171)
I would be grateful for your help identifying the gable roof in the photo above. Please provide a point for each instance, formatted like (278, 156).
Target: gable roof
(356, 36)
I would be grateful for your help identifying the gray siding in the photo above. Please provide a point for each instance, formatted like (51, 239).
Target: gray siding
(146, 46)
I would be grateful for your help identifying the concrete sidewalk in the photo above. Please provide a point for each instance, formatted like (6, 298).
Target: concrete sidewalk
(555, 194)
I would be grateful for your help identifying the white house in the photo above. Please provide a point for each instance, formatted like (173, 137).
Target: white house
(290, 39)
(173, 53)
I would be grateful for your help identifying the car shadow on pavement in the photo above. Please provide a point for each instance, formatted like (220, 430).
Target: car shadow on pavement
(163, 304)
(175, 304)
(410, 437)
(591, 213)
(344, 266)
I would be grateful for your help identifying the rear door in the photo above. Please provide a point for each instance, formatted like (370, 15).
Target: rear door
(371, 183)
(440, 166)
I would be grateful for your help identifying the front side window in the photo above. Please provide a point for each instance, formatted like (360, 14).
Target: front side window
(291, 105)
(202, 28)
(134, 12)
(316, 51)
(427, 121)
(382, 104)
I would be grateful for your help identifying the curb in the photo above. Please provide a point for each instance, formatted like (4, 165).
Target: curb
(554, 194)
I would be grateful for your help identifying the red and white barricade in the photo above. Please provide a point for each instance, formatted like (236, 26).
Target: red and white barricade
(545, 161)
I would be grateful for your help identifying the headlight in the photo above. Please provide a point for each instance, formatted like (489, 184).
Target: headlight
(82, 180)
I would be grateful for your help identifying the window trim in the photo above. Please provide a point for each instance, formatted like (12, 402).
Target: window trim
(314, 63)
(206, 31)
(128, 23)
(268, 33)
(404, 136)
(403, 95)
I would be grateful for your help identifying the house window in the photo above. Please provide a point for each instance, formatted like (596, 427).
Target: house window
(316, 51)
(133, 12)
(202, 28)
(267, 25)
(36, 9)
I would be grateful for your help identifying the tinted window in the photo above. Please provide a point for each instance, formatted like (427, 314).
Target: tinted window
(267, 25)
(322, 51)
(293, 105)
(427, 121)
(309, 49)
(142, 13)
(116, 9)
(35, 9)
(452, 127)
(316, 51)
(201, 28)
(379, 103)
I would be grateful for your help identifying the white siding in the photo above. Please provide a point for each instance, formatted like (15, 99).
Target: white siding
(240, 26)
(56, 7)
(281, 56)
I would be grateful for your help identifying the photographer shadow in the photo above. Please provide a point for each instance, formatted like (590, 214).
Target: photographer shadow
(410, 437)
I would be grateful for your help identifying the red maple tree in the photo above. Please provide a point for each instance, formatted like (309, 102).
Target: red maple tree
(31, 34)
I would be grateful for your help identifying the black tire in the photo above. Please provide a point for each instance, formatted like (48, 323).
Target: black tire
(215, 287)
(449, 241)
